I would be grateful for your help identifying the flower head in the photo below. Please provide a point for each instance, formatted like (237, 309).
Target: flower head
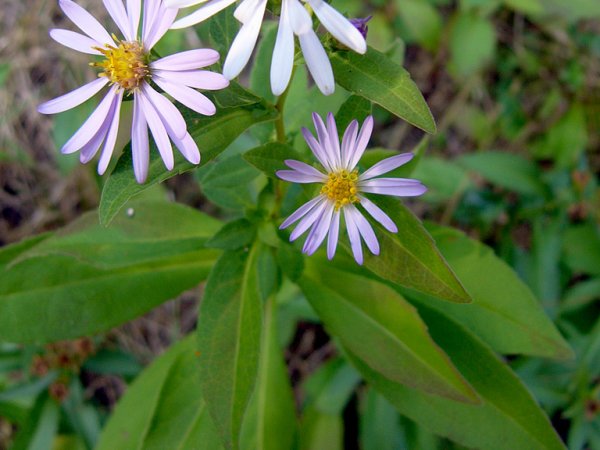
(126, 67)
(344, 188)
(296, 20)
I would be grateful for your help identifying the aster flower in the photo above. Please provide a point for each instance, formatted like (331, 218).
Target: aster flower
(294, 20)
(344, 188)
(126, 67)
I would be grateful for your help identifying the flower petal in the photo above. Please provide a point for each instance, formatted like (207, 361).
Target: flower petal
(334, 141)
(188, 147)
(349, 142)
(91, 126)
(76, 41)
(365, 229)
(304, 168)
(298, 177)
(188, 60)
(299, 18)
(308, 220)
(243, 44)
(187, 96)
(159, 132)
(317, 62)
(85, 22)
(282, 62)
(317, 150)
(334, 232)
(359, 147)
(300, 212)
(398, 190)
(378, 214)
(340, 27)
(182, 3)
(353, 235)
(167, 110)
(203, 13)
(162, 22)
(151, 10)
(325, 141)
(139, 143)
(111, 137)
(73, 98)
(319, 230)
(117, 12)
(89, 150)
(199, 79)
(134, 11)
(386, 165)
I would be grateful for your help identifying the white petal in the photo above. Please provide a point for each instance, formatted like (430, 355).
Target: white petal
(301, 212)
(361, 143)
(188, 60)
(182, 3)
(76, 41)
(199, 79)
(89, 150)
(325, 142)
(73, 98)
(167, 110)
(139, 143)
(386, 165)
(282, 63)
(187, 96)
(317, 150)
(308, 220)
(365, 229)
(340, 27)
(349, 143)
(334, 232)
(210, 9)
(188, 147)
(317, 62)
(304, 168)
(158, 130)
(246, 9)
(111, 137)
(134, 11)
(85, 21)
(353, 235)
(378, 214)
(91, 126)
(151, 8)
(117, 11)
(243, 44)
(299, 18)
(334, 141)
(395, 190)
(298, 177)
(163, 21)
(319, 230)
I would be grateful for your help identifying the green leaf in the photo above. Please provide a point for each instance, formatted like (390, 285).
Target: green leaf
(71, 298)
(581, 247)
(232, 183)
(269, 158)
(410, 258)
(508, 418)
(163, 408)
(504, 312)
(511, 171)
(444, 179)
(147, 231)
(422, 20)
(472, 44)
(381, 80)
(234, 235)
(374, 155)
(382, 329)
(41, 427)
(222, 29)
(355, 108)
(229, 330)
(270, 421)
(321, 431)
(379, 424)
(237, 110)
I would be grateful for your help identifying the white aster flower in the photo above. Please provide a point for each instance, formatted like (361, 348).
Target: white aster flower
(294, 20)
(344, 188)
(126, 67)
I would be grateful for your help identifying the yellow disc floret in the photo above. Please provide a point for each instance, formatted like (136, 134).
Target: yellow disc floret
(341, 188)
(125, 65)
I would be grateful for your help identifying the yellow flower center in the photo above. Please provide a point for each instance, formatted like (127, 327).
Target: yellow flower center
(126, 64)
(341, 188)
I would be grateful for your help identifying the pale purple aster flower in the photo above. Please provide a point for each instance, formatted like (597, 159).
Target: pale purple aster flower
(294, 20)
(343, 188)
(126, 67)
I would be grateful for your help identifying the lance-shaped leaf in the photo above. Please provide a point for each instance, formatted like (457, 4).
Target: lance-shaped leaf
(270, 421)
(88, 279)
(509, 417)
(382, 329)
(212, 134)
(410, 258)
(504, 311)
(383, 81)
(270, 157)
(163, 408)
(229, 331)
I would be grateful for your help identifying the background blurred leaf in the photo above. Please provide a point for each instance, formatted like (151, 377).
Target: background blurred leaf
(422, 20)
(472, 44)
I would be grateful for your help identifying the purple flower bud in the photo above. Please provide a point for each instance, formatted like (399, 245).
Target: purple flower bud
(361, 25)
